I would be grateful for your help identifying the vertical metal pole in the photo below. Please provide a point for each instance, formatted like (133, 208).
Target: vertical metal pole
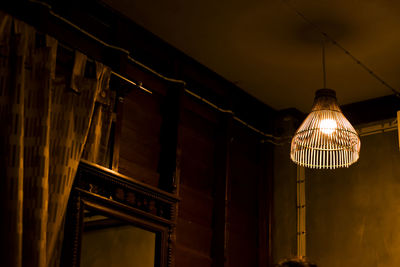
(301, 212)
(398, 126)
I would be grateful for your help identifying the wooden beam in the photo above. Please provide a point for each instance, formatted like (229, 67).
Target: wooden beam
(169, 163)
(222, 194)
(265, 200)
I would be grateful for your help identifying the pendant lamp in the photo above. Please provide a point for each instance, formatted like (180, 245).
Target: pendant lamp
(326, 139)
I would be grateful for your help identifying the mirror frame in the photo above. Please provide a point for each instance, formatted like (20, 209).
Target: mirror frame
(123, 198)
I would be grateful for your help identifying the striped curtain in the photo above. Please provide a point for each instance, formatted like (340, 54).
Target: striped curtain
(45, 121)
(97, 147)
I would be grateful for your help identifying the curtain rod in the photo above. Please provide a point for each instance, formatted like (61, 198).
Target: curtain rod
(276, 140)
(49, 7)
(138, 84)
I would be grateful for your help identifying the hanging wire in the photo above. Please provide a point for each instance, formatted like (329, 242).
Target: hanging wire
(323, 63)
(318, 29)
(270, 138)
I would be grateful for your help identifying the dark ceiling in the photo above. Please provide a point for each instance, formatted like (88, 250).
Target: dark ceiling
(275, 55)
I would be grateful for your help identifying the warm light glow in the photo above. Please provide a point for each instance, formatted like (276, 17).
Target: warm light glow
(328, 126)
(325, 139)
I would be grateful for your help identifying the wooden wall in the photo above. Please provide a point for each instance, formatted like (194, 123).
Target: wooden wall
(243, 212)
(139, 140)
(198, 131)
(219, 168)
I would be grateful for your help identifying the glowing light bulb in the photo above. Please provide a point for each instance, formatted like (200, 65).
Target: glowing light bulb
(328, 126)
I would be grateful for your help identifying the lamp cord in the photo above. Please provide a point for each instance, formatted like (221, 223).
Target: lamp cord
(347, 52)
(323, 63)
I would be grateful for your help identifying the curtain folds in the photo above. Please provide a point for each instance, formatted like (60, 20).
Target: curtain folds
(45, 123)
(97, 146)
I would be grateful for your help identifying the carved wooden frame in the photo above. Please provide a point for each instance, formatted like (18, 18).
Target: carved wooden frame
(123, 198)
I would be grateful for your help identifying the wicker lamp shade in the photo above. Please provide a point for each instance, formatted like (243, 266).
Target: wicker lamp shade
(326, 139)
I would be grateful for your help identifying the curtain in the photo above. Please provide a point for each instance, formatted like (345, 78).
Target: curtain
(45, 119)
(97, 147)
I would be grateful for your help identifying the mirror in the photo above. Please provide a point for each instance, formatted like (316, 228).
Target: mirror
(113, 220)
(110, 242)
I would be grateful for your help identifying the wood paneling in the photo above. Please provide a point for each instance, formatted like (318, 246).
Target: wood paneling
(194, 236)
(140, 134)
(197, 207)
(187, 257)
(194, 229)
(198, 145)
(160, 138)
(243, 211)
